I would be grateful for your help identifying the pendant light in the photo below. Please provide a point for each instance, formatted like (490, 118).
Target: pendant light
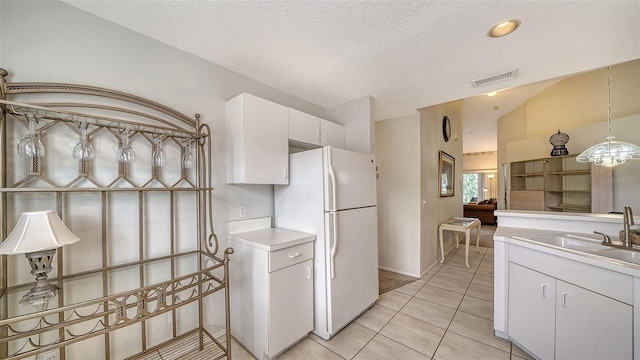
(610, 152)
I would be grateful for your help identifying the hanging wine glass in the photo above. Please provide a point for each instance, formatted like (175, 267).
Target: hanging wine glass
(187, 157)
(125, 154)
(31, 144)
(83, 149)
(159, 157)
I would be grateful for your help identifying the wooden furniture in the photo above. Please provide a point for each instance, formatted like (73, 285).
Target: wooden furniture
(560, 184)
(138, 284)
(273, 286)
(482, 211)
(464, 225)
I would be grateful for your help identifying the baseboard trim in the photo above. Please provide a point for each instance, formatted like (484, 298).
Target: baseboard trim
(399, 271)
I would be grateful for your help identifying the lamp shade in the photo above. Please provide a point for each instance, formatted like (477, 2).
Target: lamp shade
(610, 153)
(37, 231)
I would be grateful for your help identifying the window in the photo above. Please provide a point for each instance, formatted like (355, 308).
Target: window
(469, 187)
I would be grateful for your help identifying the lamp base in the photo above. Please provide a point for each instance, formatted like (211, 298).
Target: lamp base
(40, 295)
(40, 262)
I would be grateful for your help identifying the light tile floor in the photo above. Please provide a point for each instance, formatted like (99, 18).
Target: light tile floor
(445, 315)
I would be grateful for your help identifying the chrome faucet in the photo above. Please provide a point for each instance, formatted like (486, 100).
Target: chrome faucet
(627, 222)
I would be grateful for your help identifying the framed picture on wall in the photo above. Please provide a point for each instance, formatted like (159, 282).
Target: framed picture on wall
(446, 172)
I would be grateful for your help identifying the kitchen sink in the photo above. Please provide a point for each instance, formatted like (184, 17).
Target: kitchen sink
(620, 254)
(574, 242)
(584, 244)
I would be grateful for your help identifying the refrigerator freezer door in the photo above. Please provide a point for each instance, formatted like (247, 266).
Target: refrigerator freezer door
(350, 179)
(352, 271)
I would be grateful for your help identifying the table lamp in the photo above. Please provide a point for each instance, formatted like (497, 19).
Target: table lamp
(37, 235)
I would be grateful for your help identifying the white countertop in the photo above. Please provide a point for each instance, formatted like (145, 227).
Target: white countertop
(271, 239)
(506, 234)
(552, 215)
(259, 233)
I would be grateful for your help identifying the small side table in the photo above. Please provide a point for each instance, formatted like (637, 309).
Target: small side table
(464, 225)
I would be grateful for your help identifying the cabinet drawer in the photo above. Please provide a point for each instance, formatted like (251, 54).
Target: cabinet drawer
(292, 255)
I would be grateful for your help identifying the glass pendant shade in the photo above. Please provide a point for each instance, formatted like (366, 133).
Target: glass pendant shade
(610, 153)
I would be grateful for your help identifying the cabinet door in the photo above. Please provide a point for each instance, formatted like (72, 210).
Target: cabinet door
(258, 146)
(290, 305)
(332, 134)
(527, 200)
(532, 297)
(304, 127)
(591, 326)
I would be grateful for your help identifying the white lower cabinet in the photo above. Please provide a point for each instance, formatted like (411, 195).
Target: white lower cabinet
(554, 319)
(591, 326)
(290, 305)
(532, 302)
(272, 291)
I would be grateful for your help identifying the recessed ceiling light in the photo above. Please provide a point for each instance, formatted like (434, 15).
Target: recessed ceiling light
(493, 93)
(504, 28)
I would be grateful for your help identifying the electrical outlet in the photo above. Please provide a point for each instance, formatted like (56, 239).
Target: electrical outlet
(51, 355)
(243, 211)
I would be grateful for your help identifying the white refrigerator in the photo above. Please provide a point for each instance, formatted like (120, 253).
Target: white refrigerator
(332, 194)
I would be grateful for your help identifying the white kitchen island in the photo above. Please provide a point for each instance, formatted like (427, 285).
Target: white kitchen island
(558, 293)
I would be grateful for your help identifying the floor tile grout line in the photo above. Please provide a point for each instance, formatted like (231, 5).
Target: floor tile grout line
(454, 314)
(338, 355)
(510, 353)
(398, 312)
(411, 297)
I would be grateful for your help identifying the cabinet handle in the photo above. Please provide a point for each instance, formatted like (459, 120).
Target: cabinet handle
(284, 173)
(317, 134)
(293, 256)
(325, 137)
(564, 299)
(544, 287)
(308, 273)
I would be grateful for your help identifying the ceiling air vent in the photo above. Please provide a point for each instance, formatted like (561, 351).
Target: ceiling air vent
(495, 78)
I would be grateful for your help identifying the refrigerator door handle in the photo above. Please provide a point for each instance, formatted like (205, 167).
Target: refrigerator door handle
(332, 177)
(334, 248)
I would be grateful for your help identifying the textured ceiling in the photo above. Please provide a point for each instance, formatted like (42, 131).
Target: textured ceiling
(406, 54)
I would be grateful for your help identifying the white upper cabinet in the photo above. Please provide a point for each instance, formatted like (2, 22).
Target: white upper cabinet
(257, 141)
(331, 134)
(306, 129)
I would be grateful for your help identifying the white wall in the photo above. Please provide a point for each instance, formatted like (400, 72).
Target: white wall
(357, 117)
(577, 105)
(409, 206)
(625, 178)
(480, 161)
(398, 160)
(435, 209)
(50, 41)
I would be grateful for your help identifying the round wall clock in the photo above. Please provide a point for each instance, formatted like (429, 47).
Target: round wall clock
(446, 128)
